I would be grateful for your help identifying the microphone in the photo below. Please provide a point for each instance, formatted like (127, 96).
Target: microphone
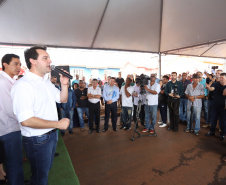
(57, 69)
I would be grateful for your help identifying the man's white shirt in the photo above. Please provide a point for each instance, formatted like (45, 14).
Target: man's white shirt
(152, 99)
(34, 96)
(93, 91)
(8, 121)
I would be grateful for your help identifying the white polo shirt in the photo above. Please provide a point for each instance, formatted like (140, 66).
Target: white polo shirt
(127, 101)
(34, 96)
(93, 91)
(152, 99)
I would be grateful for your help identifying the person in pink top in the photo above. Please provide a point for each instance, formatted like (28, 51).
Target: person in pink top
(10, 134)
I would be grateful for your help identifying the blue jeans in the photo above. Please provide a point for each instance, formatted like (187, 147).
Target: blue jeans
(126, 115)
(196, 116)
(150, 110)
(183, 109)
(68, 114)
(205, 109)
(13, 157)
(40, 151)
(80, 115)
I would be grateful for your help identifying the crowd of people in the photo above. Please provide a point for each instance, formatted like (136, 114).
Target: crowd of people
(173, 94)
(35, 108)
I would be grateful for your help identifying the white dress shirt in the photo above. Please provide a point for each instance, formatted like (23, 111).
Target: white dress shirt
(152, 99)
(34, 96)
(8, 120)
(93, 91)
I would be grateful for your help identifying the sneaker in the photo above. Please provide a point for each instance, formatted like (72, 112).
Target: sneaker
(188, 130)
(151, 131)
(145, 130)
(160, 122)
(163, 125)
(123, 128)
(129, 128)
(196, 133)
(210, 134)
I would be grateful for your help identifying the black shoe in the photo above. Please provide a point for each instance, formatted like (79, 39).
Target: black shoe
(175, 129)
(128, 128)
(98, 131)
(56, 154)
(123, 127)
(62, 134)
(169, 128)
(222, 138)
(115, 130)
(104, 130)
(210, 134)
(90, 131)
(71, 132)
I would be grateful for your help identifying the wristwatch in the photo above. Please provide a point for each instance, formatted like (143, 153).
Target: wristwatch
(195, 97)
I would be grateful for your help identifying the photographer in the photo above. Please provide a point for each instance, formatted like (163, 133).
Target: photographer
(174, 90)
(152, 92)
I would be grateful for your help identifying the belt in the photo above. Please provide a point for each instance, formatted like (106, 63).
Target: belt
(51, 131)
(48, 133)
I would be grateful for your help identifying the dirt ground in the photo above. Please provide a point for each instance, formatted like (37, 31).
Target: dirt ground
(170, 158)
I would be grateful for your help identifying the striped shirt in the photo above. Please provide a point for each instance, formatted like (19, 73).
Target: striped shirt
(199, 90)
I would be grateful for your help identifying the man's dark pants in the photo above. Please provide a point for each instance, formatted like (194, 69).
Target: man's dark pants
(218, 113)
(113, 109)
(163, 112)
(94, 109)
(174, 104)
(40, 151)
(13, 157)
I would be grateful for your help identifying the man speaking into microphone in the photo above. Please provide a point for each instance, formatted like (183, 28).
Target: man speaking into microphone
(34, 104)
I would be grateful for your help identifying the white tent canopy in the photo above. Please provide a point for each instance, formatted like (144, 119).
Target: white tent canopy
(188, 27)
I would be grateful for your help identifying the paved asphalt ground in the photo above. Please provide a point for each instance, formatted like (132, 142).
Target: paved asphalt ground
(170, 158)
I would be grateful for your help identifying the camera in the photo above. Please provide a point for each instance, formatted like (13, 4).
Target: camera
(142, 80)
